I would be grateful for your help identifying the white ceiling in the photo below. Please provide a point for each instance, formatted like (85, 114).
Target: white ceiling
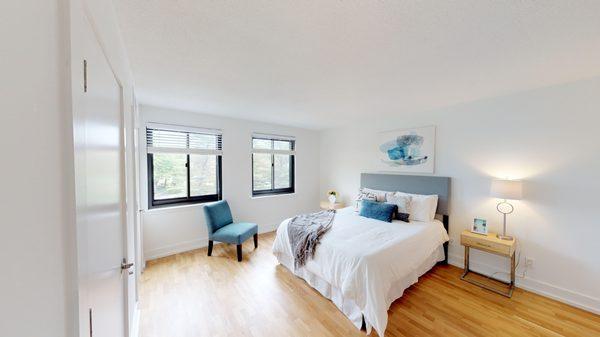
(322, 63)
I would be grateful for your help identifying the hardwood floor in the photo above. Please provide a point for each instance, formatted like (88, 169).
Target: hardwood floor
(191, 294)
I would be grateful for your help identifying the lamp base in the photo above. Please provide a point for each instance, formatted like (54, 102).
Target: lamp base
(504, 237)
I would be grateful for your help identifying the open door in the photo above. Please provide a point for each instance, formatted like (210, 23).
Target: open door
(100, 196)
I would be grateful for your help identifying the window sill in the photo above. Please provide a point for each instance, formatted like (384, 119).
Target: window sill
(171, 208)
(273, 195)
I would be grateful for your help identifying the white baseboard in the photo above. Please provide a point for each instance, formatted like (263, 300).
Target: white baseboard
(176, 248)
(267, 228)
(573, 298)
(186, 246)
(134, 330)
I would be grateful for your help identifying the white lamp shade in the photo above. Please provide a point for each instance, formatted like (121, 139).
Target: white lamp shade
(507, 189)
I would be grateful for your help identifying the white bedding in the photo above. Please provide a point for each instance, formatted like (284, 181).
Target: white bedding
(366, 258)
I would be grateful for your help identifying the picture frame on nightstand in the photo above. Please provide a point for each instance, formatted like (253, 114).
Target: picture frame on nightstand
(479, 226)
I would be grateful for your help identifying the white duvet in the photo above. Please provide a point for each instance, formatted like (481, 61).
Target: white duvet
(364, 257)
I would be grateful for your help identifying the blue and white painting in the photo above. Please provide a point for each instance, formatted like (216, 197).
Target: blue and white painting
(411, 150)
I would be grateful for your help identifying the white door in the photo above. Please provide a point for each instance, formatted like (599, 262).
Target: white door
(100, 195)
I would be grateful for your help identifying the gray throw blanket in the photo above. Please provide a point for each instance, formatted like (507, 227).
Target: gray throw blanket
(305, 232)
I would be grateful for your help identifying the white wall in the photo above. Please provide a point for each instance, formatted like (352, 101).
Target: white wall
(36, 199)
(547, 137)
(170, 230)
(38, 283)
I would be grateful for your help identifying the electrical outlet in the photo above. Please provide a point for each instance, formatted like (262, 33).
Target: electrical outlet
(529, 261)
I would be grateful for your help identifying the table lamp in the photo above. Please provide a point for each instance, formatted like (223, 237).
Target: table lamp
(506, 190)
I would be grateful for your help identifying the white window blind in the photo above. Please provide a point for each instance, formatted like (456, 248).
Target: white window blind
(273, 144)
(178, 139)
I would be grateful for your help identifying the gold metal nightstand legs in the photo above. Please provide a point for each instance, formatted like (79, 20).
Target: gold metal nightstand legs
(511, 284)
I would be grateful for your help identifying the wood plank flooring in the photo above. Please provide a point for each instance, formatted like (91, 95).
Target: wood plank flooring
(190, 294)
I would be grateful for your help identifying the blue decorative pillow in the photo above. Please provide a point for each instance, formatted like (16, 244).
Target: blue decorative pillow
(378, 210)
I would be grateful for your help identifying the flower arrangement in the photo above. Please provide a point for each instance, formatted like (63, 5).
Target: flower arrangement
(332, 196)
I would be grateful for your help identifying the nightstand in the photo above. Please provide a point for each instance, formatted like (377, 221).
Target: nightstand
(491, 244)
(328, 205)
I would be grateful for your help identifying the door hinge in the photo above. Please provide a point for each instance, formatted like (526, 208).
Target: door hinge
(126, 266)
(84, 75)
(91, 323)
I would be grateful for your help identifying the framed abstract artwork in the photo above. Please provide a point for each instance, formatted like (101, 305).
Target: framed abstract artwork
(479, 226)
(409, 150)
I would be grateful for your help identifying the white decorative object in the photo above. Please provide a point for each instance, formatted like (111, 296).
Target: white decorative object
(506, 190)
(332, 196)
(409, 150)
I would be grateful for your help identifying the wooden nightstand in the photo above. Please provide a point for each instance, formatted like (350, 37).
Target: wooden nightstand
(491, 244)
(328, 205)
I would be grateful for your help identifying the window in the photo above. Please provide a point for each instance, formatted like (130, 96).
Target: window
(272, 165)
(184, 165)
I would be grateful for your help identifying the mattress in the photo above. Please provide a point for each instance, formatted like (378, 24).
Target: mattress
(363, 264)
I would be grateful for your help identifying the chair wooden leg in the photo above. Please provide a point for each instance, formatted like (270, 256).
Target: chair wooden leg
(239, 253)
(255, 240)
(210, 244)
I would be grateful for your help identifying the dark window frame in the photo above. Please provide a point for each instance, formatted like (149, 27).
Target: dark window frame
(273, 190)
(189, 200)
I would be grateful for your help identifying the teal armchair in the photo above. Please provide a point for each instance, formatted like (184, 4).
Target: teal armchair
(221, 227)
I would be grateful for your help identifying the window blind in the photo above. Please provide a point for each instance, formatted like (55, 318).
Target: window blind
(273, 144)
(179, 139)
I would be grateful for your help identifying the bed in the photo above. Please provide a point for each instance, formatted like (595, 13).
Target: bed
(362, 265)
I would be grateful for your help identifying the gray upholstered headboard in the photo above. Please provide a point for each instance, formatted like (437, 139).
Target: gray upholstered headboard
(411, 184)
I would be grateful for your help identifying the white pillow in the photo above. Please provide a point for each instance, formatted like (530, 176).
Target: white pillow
(401, 200)
(380, 195)
(363, 195)
(422, 207)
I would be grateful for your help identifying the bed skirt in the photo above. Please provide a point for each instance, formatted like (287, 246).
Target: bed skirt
(347, 306)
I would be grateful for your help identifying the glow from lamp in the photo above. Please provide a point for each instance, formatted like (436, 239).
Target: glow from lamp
(506, 190)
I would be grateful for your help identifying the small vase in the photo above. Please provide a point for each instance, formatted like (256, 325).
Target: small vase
(331, 199)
